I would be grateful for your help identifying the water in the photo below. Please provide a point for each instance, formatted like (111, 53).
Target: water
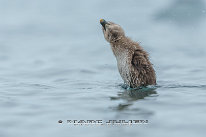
(56, 65)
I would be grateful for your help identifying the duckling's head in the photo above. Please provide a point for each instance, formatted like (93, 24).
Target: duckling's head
(112, 32)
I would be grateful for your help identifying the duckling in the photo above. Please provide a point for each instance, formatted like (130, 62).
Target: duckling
(133, 61)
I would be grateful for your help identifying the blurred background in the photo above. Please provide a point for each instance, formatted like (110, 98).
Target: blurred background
(56, 64)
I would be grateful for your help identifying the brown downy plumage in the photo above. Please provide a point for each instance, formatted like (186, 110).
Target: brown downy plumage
(132, 61)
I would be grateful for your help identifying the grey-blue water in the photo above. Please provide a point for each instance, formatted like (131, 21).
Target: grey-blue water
(56, 65)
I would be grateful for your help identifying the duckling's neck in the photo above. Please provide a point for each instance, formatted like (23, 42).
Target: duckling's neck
(121, 46)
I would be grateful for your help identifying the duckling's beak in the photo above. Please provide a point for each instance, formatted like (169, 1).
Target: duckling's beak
(103, 23)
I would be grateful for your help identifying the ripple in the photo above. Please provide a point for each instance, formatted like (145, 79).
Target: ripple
(181, 86)
(30, 85)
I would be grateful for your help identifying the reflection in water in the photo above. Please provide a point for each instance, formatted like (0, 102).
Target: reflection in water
(136, 94)
(131, 95)
(183, 12)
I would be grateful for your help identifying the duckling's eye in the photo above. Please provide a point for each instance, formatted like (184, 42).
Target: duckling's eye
(106, 25)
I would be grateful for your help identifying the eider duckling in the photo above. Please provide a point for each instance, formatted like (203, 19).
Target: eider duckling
(132, 60)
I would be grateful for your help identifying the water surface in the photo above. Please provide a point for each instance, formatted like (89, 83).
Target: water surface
(56, 65)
